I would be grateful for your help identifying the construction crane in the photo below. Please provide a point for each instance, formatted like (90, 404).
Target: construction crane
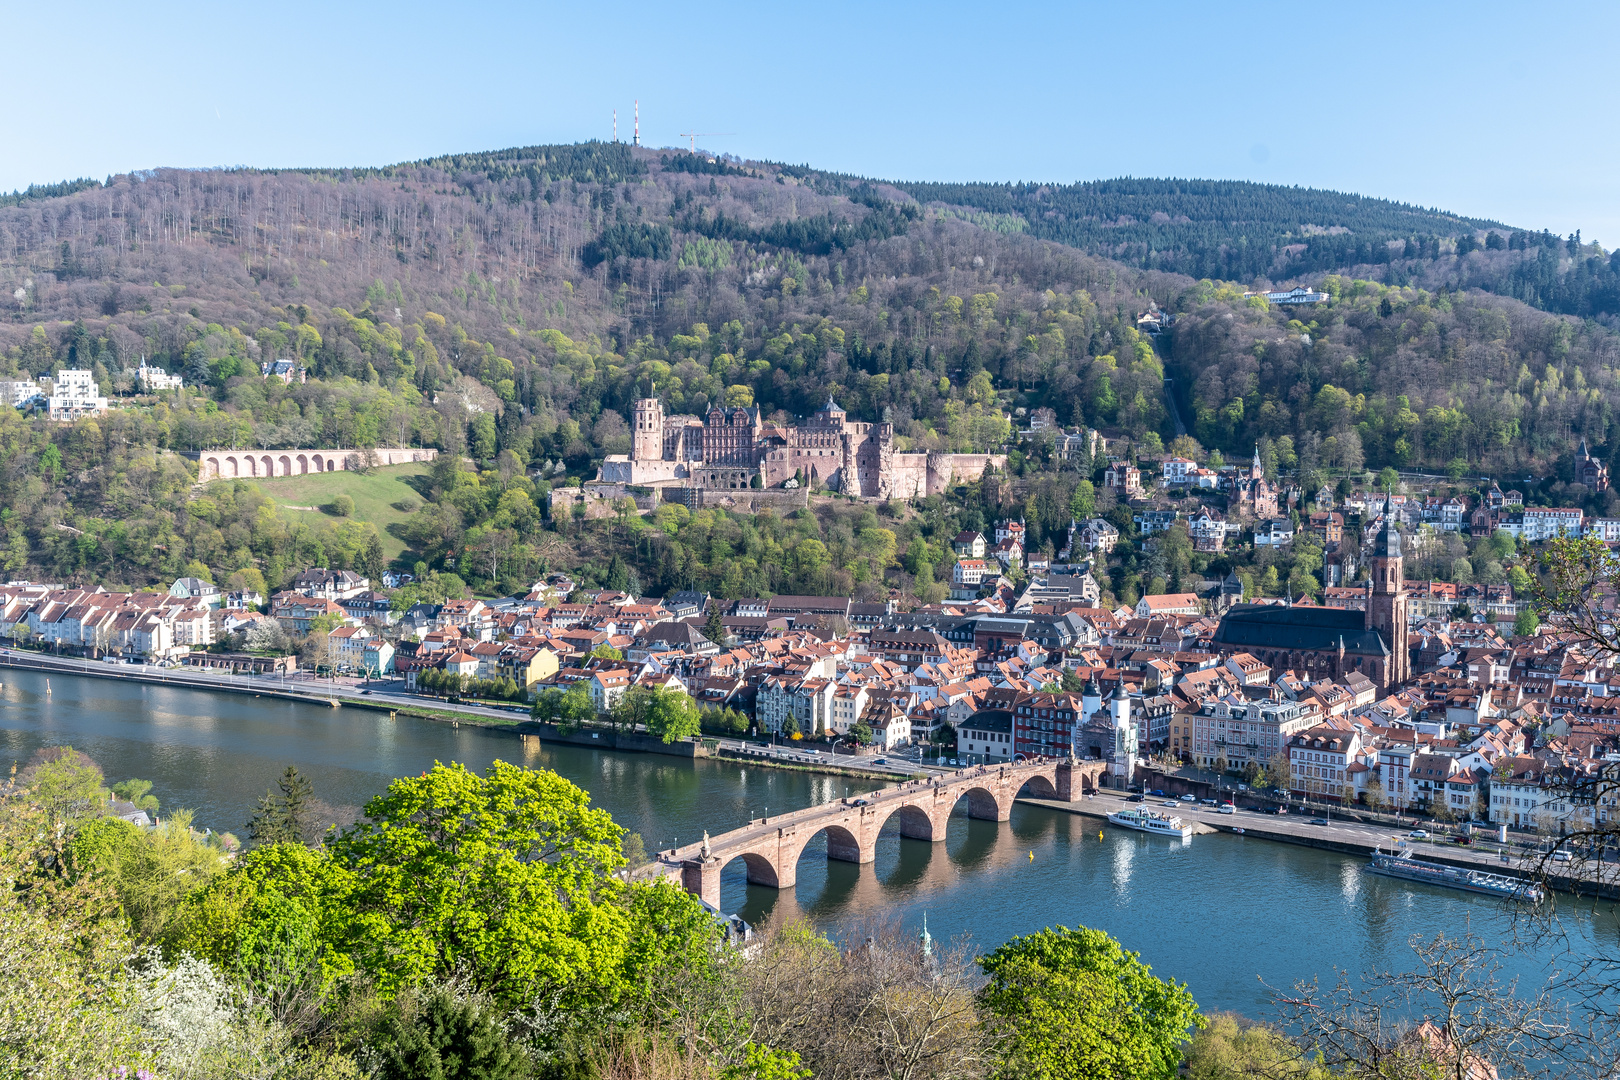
(696, 135)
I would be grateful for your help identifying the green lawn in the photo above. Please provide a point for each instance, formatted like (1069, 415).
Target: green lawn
(373, 496)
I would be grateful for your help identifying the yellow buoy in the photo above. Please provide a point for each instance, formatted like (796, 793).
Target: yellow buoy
(1032, 856)
(1099, 834)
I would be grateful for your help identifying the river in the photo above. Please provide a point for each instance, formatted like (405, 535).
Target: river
(1215, 912)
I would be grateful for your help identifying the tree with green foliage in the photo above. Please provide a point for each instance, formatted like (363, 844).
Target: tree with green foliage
(567, 707)
(1232, 1048)
(508, 876)
(1526, 623)
(1076, 1004)
(65, 782)
(444, 1032)
(137, 792)
(150, 870)
(861, 733)
(671, 715)
(713, 628)
(280, 818)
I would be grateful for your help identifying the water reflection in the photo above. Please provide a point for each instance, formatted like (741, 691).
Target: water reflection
(1313, 909)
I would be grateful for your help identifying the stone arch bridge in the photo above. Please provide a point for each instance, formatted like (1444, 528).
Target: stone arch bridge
(235, 464)
(770, 847)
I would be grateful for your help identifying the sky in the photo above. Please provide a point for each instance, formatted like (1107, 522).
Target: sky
(1492, 110)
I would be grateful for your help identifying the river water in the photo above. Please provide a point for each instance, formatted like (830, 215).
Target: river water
(1219, 912)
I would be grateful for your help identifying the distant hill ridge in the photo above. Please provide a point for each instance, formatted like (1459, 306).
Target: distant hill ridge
(1232, 230)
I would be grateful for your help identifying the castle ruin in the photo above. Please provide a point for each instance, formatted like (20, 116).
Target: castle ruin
(728, 448)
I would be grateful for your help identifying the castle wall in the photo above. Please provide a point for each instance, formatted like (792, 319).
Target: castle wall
(618, 469)
(947, 469)
(240, 464)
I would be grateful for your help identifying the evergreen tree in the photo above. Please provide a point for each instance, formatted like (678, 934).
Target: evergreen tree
(279, 819)
(713, 628)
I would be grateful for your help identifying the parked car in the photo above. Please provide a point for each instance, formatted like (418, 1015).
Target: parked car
(1210, 802)
(1562, 855)
(1228, 808)
(1464, 839)
(1156, 793)
(1188, 798)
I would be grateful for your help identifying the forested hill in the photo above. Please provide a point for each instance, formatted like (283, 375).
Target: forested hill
(1241, 231)
(510, 306)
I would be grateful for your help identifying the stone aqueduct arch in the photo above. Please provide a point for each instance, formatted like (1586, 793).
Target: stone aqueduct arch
(770, 849)
(228, 464)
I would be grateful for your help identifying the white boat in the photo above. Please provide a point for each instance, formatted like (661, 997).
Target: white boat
(1151, 821)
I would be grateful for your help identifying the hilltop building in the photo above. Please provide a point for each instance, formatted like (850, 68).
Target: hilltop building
(74, 394)
(735, 449)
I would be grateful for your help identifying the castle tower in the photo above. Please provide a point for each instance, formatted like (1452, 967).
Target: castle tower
(1257, 471)
(648, 438)
(1386, 607)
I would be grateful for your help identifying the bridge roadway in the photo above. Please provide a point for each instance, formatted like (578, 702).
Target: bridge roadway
(770, 847)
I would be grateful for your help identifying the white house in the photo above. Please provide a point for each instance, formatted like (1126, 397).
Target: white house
(1276, 532)
(75, 394)
(155, 379)
(986, 737)
(1178, 470)
(607, 687)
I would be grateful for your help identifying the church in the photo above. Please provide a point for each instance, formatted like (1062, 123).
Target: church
(1330, 643)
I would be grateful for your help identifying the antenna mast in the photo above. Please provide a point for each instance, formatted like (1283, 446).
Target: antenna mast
(638, 121)
(615, 125)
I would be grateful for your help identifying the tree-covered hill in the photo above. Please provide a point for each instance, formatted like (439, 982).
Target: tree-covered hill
(1242, 231)
(510, 306)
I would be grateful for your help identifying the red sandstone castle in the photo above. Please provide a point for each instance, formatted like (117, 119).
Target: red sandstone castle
(730, 447)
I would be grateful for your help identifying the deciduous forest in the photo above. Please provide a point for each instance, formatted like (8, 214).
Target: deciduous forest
(507, 307)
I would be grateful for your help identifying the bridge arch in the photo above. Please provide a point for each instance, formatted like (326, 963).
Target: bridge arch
(269, 466)
(303, 464)
(1039, 786)
(761, 870)
(983, 804)
(286, 465)
(915, 822)
(843, 845)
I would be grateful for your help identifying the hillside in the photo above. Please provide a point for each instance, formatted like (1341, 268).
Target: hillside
(510, 306)
(385, 497)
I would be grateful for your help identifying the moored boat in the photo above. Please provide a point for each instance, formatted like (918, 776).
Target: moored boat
(1151, 821)
(1403, 865)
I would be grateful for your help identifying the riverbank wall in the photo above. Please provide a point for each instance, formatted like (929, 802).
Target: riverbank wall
(1465, 859)
(177, 677)
(608, 739)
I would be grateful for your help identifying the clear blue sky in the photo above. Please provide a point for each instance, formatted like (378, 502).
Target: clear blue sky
(1497, 110)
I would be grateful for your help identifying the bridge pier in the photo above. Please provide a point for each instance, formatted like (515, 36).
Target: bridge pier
(702, 877)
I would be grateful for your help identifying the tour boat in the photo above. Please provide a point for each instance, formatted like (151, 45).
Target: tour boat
(1402, 865)
(1151, 821)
